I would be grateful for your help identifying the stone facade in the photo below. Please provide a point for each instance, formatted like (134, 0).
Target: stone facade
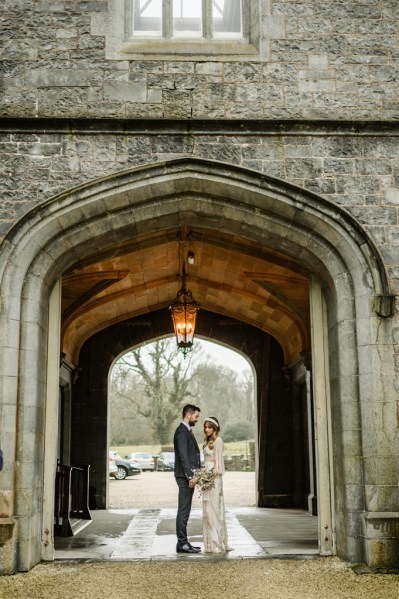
(356, 170)
(311, 103)
(331, 60)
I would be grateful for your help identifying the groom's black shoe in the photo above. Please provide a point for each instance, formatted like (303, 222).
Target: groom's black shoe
(197, 549)
(186, 548)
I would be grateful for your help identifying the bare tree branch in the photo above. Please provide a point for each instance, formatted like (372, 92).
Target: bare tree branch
(132, 400)
(165, 379)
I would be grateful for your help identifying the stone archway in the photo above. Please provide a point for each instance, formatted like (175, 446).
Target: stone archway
(344, 264)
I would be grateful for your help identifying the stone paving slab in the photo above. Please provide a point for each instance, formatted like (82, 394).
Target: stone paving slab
(149, 534)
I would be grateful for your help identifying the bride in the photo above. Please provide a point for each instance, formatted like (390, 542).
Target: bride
(214, 521)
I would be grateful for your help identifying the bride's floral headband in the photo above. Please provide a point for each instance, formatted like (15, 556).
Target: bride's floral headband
(212, 420)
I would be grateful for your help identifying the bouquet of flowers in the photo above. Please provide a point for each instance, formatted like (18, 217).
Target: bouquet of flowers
(204, 479)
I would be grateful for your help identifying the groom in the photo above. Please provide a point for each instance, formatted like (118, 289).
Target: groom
(187, 457)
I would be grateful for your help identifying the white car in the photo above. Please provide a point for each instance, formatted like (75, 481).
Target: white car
(112, 467)
(144, 460)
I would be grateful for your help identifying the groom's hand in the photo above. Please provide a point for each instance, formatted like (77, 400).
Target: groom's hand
(191, 483)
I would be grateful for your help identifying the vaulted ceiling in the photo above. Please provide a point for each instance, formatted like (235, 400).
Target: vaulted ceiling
(230, 276)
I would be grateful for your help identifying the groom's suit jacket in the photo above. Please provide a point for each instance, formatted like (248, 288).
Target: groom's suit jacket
(187, 453)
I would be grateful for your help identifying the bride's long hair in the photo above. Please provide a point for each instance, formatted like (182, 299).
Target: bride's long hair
(210, 441)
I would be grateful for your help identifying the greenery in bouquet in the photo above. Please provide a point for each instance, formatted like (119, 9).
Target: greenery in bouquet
(204, 479)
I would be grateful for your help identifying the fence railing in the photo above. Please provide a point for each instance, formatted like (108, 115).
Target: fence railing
(71, 505)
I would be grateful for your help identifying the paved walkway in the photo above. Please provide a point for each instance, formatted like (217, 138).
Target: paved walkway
(149, 534)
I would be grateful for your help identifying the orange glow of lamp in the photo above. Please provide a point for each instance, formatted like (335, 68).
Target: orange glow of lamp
(184, 310)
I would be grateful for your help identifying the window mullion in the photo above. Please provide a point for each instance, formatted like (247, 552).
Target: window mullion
(246, 19)
(167, 19)
(207, 23)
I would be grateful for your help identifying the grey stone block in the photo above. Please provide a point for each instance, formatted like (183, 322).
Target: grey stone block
(172, 144)
(209, 68)
(269, 151)
(338, 147)
(219, 152)
(65, 78)
(125, 92)
(252, 92)
(179, 67)
(356, 185)
(177, 104)
(381, 497)
(304, 168)
(154, 96)
(244, 110)
(242, 72)
(375, 216)
(221, 91)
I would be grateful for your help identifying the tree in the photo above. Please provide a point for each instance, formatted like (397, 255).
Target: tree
(241, 430)
(223, 394)
(150, 385)
(164, 380)
(127, 426)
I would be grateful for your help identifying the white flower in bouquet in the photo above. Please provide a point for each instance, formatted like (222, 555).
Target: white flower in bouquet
(204, 479)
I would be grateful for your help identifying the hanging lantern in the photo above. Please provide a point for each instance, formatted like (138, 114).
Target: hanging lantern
(184, 313)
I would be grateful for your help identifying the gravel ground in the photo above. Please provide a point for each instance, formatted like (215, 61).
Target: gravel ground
(323, 578)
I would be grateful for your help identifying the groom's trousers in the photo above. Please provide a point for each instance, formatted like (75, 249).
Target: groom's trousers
(183, 509)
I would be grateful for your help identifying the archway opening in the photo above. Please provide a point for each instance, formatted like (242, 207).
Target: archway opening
(148, 387)
(255, 297)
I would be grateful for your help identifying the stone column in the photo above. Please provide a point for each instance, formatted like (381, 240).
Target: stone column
(303, 431)
(67, 375)
(312, 496)
(322, 418)
(51, 422)
(262, 413)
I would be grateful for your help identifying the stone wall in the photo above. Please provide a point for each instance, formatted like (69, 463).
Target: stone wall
(330, 60)
(355, 169)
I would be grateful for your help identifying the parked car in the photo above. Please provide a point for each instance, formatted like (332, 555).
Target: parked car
(124, 467)
(166, 461)
(112, 467)
(145, 461)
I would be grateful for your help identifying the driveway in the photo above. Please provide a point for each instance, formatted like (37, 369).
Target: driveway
(159, 490)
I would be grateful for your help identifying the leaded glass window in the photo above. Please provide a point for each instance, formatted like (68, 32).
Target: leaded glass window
(187, 19)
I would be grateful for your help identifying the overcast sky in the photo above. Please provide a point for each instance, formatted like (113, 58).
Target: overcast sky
(224, 356)
(219, 355)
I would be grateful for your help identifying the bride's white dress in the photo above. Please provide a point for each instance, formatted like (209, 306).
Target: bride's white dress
(214, 521)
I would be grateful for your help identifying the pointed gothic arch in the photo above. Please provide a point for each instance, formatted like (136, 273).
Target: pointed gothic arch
(93, 218)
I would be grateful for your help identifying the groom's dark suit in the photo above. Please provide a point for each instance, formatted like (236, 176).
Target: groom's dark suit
(187, 458)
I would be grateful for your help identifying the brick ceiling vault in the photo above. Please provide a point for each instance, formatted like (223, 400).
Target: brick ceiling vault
(230, 276)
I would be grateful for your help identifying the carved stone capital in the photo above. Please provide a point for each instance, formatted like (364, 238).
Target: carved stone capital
(306, 359)
(384, 305)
